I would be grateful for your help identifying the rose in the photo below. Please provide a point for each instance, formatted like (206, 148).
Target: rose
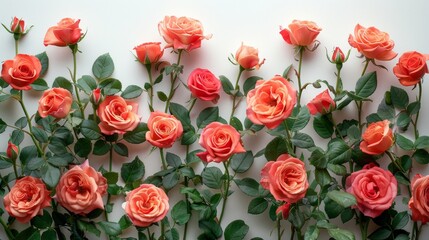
(283, 210)
(372, 43)
(411, 68)
(17, 26)
(67, 32)
(145, 205)
(374, 189)
(221, 141)
(204, 85)
(55, 102)
(96, 96)
(149, 52)
(12, 151)
(285, 178)
(322, 103)
(418, 203)
(21, 71)
(377, 138)
(182, 33)
(81, 188)
(117, 115)
(300, 33)
(247, 57)
(270, 102)
(164, 129)
(27, 198)
(338, 56)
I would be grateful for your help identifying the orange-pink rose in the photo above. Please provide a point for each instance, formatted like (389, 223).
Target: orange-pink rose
(204, 85)
(322, 103)
(221, 141)
(17, 26)
(146, 204)
(21, 71)
(117, 115)
(182, 32)
(411, 68)
(27, 198)
(164, 129)
(338, 56)
(300, 33)
(12, 151)
(55, 102)
(372, 43)
(80, 189)
(248, 57)
(270, 102)
(284, 210)
(377, 138)
(66, 32)
(285, 178)
(149, 52)
(418, 203)
(374, 189)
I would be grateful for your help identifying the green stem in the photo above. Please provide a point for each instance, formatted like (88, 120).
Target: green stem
(148, 233)
(416, 133)
(338, 83)
(106, 214)
(360, 103)
(225, 196)
(162, 237)
(301, 53)
(186, 183)
(6, 229)
(74, 49)
(194, 100)
(16, 46)
(298, 231)
(364, 227)
(164, 163)
(174, 76)
(234, 98)
(279, 232)
(289, 137)
(292, 229)
(418, 231)
(30, 127)
(149, 72)
(57, 227)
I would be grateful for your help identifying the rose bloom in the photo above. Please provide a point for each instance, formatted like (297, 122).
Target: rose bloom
(418, 203)
(80, 189)
(21, 71)
(204, 85)
(270, 102)
(322, 103)
(411, 68)
(377, 138)
(145, 205)
(149, 52)
(17, 25)
(117, 115)
(372, 43)
(300, 33)
(285, 178)
(247, 57)
(67, 32)
(27, 198)
(374, 189)
(182, 33)
(221, 141)
(164, 129)
(55, 102)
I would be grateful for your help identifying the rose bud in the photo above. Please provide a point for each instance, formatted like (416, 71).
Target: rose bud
(247, 57)
(338, 56)
(149, 52)
(12, 151)
(96, 96)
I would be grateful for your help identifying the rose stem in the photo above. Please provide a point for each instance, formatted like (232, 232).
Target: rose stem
(236, 88)
(164, 164)
(173, 81)
(16, 46)
(292, 229)
(106, 215)
(225, 196)
(149, 72)
(7, 230)
(301, 53)
(416, 133)
(360, 103)
(279, 233)
(74, 49)
(21, 102)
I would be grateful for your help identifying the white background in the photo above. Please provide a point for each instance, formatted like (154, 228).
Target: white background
(118, 26)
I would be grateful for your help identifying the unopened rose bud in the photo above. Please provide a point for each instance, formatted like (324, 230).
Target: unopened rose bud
(17, 26)
(283, 210)
(96, 96)
(338, 56)
(12, 151)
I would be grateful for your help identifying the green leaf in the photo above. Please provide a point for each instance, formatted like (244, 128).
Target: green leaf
(344, 199)
(138, 135)
(27, 153)
(302, 119)
(318, 159)
(400, 220)
(400, 97)
(162, 96)
(170, 180)
(90, 129)
(385, 111)
(110, 228)
(212, 177)
(101, 147)
(21, 122)
(403, 120)
(302, 140)
(125, 222)
(172, 234)
(50, 175)
(29, 233)
(35, 163)
(42, 221)
(236, 230)
(211, 228)
(347, 215)
(341, 234)
(226, 85)
(103, 67)
(366, 85)
(188, 138)
(404, 142)
(4, 97)
(286, 71)
(241, 162)
(275, 148)
(173, 160)
(61, 82)
(87, 84)
(339, 170)
(421, 156)
(207, 116)
(5, 163)
(380, 234)
(323, 126)
(3, 126)
(111, 86)
(40, 135)
(250, 83)
(83, 147)
(248, 186)
(132, 171)
(257, 206)
(39, 85)
(49, 234)
(413, 108)
(181, 113)
(132, 91)
(338, 152)
(111, 177)
(44, 60)
(422, 142)
(250, 126)
(312, 233)
(236, 123)
(180, 213)
(121, 149)
(322, 177)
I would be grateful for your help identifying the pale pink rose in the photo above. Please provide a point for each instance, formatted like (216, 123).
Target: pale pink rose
(377, 138)
(411, 68)
(204, 85)
(418, 203)
(66, 32)
(300, 33)
(164, 129)
(149, 52)
(55, 102)
(21, 71)
(248, 58)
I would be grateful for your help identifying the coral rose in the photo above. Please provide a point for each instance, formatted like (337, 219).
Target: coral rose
(17, 26)
(338, 56)
(283, 210)
(149, 52)
(80, 189)
(27, 198)
(322, 103)
(55, 102)
(270, 102)
(12, 151)
(285, 178)
(117, 115)
(372, 43)
(182, 32)
(374, 189)
(204, 85)
(377, 138)
(164, 129)
(247, 57)
(67, 32)
(21, 71)
(300, 33)
(221, 141)
(145, 205)
(418, 203)
(411, 68)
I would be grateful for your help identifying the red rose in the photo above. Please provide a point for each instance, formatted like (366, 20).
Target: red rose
(204, 85)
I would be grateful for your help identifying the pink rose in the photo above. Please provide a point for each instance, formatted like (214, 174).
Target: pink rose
(270, 102)
(377, 138)
(96, 96)
(164, 129)
(149, 52)
(55, 102)
(117, 115)
(17, 26)
(67, 32)
(12, 151)
(145, 205)
(182, 33)
(372, 43)
(283, 210)
(418, 203)
(247, 57)
(21, 71)
(322, 103)
(338, 56)
(221, 141)
(374, 189)
(80, 189)
(27, 198)
(300, 33)
(285, 178)
(204, 85)
(411, 68)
